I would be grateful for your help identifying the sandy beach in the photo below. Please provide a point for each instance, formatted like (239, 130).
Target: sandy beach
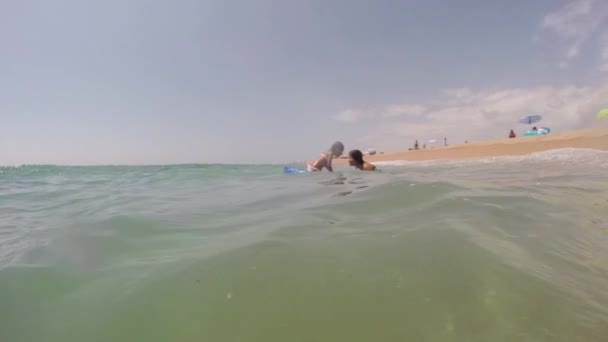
(594, 138)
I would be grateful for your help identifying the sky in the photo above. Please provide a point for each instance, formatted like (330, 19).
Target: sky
(260, 81)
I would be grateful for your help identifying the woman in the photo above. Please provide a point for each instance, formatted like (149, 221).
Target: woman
(355, 158)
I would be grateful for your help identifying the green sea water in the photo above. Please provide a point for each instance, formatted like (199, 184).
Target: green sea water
(503, 249)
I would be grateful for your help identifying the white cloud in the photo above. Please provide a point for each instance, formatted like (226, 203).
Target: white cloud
(572, 52)
(404, 110)
(350, 116)
(471, 115)
(458, 93)
(390, 111)
(577, 22)
(570, 20)
(604, 66)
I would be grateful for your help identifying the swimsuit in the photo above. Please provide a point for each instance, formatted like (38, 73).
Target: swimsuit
(311, 168)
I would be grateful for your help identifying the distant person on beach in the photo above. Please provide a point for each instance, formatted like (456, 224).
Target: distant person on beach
(534, 128)
(334, 151)
(355, 158)
(416, 145)
(512, 134)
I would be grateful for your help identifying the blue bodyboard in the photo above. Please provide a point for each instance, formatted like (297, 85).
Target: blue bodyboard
(288, 169)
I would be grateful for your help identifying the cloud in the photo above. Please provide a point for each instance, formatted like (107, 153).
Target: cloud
(404, 110)
(466, 114)
(390, 111)
(576, 23)
(350, 116)
(604, 66)
(573, 51)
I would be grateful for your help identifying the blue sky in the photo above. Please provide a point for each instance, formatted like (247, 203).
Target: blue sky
(139, 82)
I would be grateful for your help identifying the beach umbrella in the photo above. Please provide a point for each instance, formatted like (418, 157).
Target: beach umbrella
(530, 119)
(603, 114)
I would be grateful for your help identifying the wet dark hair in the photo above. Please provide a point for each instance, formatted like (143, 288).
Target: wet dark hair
(337, 148)
(357, 157)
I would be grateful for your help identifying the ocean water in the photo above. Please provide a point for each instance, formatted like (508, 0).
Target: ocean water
(501, 249)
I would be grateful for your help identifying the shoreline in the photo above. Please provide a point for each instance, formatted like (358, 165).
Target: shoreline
(592, 138)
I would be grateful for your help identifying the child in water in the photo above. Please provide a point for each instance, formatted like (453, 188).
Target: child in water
(355, 158)
(335, 151)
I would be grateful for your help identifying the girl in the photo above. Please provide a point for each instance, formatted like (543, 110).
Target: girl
(335, 151)
(355, 158)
